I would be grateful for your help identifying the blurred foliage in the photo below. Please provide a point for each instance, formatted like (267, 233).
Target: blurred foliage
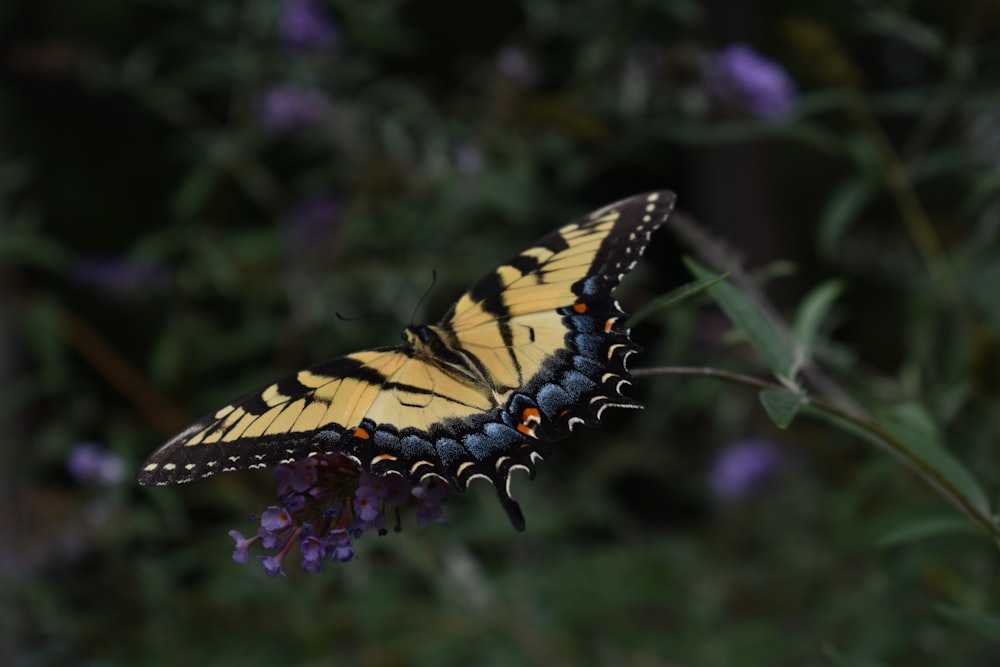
(189, 193)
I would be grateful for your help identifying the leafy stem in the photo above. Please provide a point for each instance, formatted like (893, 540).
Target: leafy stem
(871, 429)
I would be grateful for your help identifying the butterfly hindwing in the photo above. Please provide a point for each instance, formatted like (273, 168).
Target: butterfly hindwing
(534, 348)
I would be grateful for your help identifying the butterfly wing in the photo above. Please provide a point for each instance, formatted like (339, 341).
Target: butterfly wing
(343, 405)
(542, 329)
(546, 329)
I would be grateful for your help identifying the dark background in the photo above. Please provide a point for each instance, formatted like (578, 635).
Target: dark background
(169, 241)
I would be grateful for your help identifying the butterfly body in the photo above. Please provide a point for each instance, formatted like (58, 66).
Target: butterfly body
(532, 350)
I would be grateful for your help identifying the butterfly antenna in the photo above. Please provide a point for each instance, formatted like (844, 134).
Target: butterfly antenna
(413, 315)
(362, 318)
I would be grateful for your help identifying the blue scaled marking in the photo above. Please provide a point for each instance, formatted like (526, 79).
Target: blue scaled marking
(591, 285)
(553, 399)
(588, 366)
(414, 447)
(450, 451)
(576, 383)
(503, 434)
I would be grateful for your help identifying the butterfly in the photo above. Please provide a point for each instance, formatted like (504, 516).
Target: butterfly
(535, 348)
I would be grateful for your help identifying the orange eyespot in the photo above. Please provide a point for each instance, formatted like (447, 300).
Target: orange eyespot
(607, 325)
(580, 308)
(361, 433)
(530, 418)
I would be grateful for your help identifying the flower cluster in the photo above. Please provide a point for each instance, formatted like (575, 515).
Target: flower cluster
(327, 502)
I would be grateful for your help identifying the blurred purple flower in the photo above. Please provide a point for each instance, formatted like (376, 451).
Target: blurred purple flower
(305, 24)
(741, 467)
(288, 107)
(431, 498)
(468, 158)
(313, 223)
(514, 64)
(118, 276)
(90, 462)
(740, 78)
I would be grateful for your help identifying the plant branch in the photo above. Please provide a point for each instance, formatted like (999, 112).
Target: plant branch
(723, 258)
(868, 427)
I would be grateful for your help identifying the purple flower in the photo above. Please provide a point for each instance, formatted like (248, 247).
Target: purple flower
(306, 25)
(312, 553)
(327, 502)
(90, 462)
(312, 225)
(366, 506)
(275, 519)
(241, 552)
(739, 78)
(341, 545)
(118, 276)
(397, 490)
(431, 498)
(468, 159)
(741, 467)
(272, 564)
(514, 64)
(288, 107)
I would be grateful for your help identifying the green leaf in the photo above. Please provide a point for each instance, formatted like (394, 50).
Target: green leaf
(673, 297)
(906, 29)
(781, 405)
(922, 528)
(985, 192)
(843, 208)
(814, 309)
(911, 425)
(988, 625)
(43, 328)
(24, 245)
(751, 319)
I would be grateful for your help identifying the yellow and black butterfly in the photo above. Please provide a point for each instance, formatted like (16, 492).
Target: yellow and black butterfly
(535, 348)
